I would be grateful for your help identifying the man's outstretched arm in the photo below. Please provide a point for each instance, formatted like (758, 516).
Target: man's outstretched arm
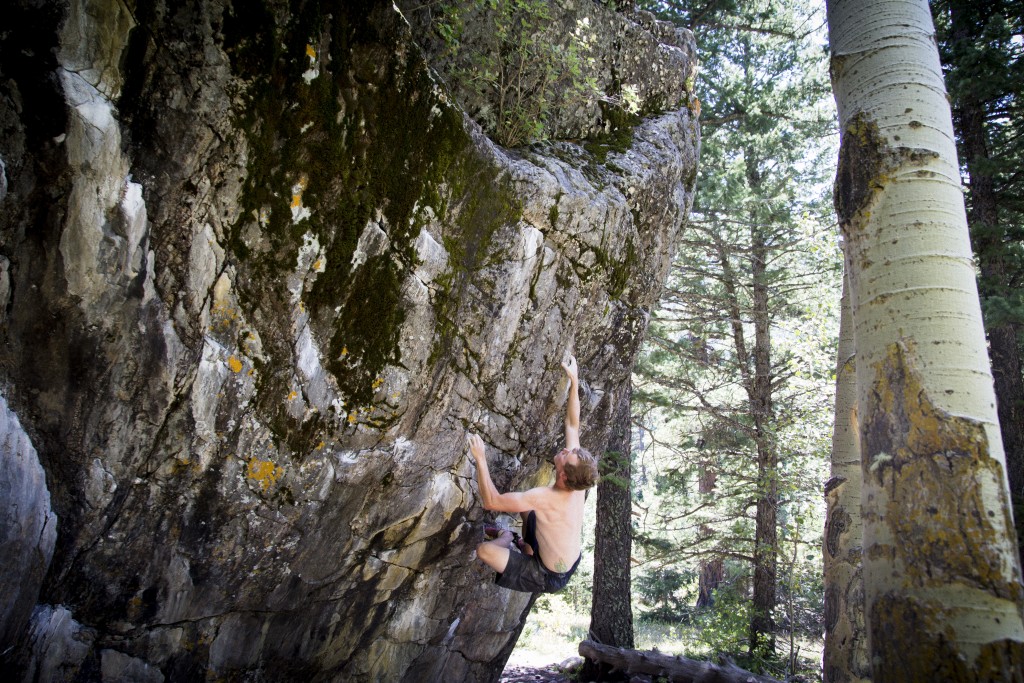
(490, 497)
(572, 407)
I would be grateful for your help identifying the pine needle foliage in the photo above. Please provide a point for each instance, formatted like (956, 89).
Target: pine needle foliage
(733, 393)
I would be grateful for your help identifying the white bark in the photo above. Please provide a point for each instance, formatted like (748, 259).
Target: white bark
(913, 272)
(846, 654)
(940, 562)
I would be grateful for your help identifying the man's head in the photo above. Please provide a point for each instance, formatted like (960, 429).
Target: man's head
(576, 468)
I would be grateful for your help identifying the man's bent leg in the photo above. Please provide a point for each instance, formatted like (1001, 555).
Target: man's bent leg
(495, 553)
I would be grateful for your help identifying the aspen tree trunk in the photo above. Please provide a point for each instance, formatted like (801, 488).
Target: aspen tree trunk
(845, 659)
(941, 574)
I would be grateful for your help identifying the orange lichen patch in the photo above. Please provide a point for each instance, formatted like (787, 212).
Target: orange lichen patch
(299, 212)
(933, 467)
(897, 620)
(310, 52)
(222, 316)
(264, 472)
(999, 659)
(352, 418)
(234, 364)
(292, 395)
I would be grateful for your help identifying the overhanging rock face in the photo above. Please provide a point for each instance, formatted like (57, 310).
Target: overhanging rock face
(259, 275)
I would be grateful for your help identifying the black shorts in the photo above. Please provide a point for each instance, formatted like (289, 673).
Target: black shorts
(527, 573)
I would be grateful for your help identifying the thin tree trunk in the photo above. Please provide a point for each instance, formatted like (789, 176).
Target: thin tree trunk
(762, 624)
(711, 571)
(942, 587)
(845, 659)
(611, 615)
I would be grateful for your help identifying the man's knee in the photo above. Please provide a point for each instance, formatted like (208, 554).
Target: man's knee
(492, 555)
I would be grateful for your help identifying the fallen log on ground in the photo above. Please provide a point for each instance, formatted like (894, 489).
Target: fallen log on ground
(675, 668)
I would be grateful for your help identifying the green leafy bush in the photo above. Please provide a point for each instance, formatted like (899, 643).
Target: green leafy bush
(516, 69)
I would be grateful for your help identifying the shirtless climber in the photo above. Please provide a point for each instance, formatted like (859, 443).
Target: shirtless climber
(552, 515)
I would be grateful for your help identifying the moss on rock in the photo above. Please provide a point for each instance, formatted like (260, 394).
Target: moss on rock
(345, 130)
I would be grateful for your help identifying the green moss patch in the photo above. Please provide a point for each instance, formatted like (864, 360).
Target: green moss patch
(618, 136)
(345, 127)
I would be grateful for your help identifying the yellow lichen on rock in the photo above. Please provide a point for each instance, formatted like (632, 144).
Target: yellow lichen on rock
(299, 212)
(264, 472)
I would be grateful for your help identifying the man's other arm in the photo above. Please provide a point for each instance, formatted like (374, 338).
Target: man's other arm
(490, 497)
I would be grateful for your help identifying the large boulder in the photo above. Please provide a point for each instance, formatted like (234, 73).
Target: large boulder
(260, 275)
(28, 527)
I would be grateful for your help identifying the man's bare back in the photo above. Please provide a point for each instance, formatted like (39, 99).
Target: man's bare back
(559, 527)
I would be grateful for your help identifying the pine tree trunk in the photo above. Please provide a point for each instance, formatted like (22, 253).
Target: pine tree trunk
(845, 659)
(611, 615)
(762, 625)
(942, 587)
(711, 571)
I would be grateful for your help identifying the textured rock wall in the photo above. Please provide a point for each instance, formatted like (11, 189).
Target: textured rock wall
(258, 276)
(28, 527)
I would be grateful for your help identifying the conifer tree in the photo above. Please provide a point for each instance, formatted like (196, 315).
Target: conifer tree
(743, 290)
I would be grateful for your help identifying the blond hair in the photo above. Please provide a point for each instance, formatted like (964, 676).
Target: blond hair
(583, 474)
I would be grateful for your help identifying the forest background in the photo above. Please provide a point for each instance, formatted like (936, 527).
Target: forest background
(735, 393)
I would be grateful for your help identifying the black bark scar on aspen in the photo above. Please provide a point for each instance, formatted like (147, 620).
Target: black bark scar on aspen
(838, 523)
(833, 483)
(933, 464)
(865, 160)
(832, 602)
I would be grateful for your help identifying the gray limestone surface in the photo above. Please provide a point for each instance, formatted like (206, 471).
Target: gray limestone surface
(28, 527)
(261, 273)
